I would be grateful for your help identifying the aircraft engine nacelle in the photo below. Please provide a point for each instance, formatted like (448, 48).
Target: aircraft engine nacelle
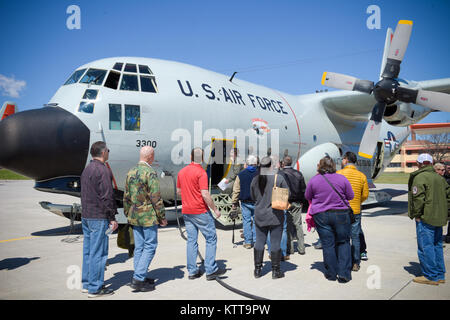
(402, 114)
(308, 162)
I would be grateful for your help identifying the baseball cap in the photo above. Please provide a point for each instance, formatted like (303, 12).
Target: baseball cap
(425, 157)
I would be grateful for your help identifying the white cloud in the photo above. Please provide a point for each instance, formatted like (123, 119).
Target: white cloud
(11, 87)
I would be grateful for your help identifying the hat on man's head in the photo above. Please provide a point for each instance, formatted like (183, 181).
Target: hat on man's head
(425, 157)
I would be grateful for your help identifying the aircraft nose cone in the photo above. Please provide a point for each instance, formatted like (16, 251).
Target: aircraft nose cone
(44, 143)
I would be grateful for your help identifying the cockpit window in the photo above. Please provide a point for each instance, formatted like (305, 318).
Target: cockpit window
(94, 76)
(90, 94)
(115, 117)
(145, 69)
(113, 80)
(132, 77)
(129, 82)
(75, 76)
(118, 66)
(86, 107)
(132, 118)
(130, 68)
(148, 84)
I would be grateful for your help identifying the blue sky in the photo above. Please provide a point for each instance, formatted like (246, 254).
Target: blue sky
(285, 45)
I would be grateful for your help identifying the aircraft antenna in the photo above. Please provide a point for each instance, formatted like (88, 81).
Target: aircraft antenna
(231, 79)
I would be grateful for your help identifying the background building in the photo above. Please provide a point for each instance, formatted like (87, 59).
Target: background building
(432, 138)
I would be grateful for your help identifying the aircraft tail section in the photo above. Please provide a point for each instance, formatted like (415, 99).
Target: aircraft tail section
(8, 108)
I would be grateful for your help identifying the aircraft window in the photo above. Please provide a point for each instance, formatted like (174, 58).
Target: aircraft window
(86, 107)
(145, 69)
(118, 66)
(148, 84)
(129, 82)
(130, 68)
(75, 76)
(113, 80)
(90, 94)
(115, 117)
(94, 76)
(132, 118)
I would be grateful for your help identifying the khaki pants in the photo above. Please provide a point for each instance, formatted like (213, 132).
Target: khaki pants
(295, 228)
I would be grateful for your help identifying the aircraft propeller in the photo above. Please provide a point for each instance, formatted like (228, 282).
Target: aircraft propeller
(387, 90)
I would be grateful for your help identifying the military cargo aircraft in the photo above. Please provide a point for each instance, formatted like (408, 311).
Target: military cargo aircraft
(130, 102)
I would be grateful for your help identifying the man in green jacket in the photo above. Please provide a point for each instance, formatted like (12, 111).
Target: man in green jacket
(428, 194)
(144, 209)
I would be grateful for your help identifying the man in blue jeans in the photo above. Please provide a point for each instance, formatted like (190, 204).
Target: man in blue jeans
(428, 194)
(98, 213)
(144, 208)
(192, 185)
(241, 192)
(360, 187)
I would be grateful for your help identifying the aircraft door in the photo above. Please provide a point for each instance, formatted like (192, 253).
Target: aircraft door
(378, 159)
(218, 161)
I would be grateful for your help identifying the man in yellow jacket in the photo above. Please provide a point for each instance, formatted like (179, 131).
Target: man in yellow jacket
(360, 187)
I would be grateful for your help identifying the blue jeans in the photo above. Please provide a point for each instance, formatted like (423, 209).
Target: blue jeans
(430, 251)
(355, 235)
(283, 244)
(334, 231)
(205, 223)
(95, 253)
(248, 222)
(145, 243)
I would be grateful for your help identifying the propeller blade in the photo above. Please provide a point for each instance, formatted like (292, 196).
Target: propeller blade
(400, 40)
(370, 139)
(378, 111)
(397, 49)
(387, 45)
(372, 132)
(338, 81)
(345, 82)
(434, 100)
(406, 95)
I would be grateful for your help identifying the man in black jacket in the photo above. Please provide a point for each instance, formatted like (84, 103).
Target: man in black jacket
(98, 213)
(297, 188)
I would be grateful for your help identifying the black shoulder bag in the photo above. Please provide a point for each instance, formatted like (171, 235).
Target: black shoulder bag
(351, 214)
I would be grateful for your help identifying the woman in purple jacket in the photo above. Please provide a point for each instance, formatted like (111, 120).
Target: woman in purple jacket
(332, 219)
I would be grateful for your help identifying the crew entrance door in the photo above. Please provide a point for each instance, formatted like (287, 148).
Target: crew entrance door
(219, 161)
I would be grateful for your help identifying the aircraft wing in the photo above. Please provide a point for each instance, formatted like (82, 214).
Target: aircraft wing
(357, 105)
(438, 85)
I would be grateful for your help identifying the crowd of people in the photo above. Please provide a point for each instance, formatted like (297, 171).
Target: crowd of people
(333, 198)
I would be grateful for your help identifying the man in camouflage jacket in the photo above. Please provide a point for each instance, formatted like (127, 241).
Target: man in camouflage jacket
(144, 209)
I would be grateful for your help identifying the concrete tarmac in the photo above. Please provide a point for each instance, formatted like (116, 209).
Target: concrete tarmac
(40, 260)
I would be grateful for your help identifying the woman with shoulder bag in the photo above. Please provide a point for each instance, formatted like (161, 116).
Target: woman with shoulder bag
(267, 218)
(329, 194)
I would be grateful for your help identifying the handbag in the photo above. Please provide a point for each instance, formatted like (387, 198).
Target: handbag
(280, 197)
(351, 214)
(309, 219)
